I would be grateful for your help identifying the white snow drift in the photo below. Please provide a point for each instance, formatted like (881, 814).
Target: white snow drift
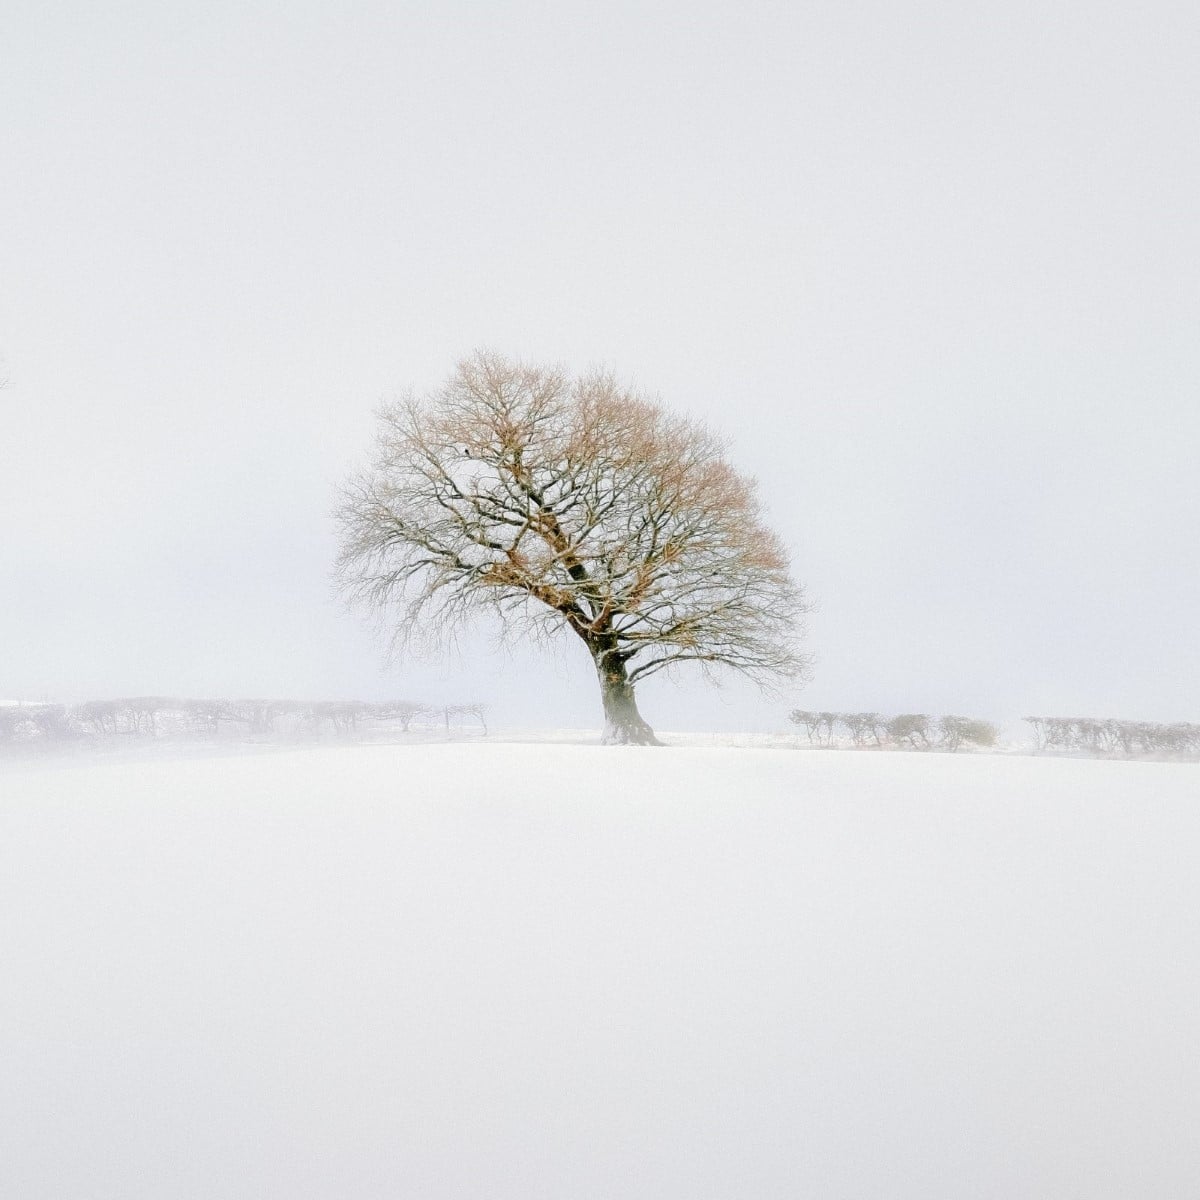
(523, 972)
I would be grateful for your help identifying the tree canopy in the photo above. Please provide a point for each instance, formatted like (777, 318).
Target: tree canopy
(575, 504)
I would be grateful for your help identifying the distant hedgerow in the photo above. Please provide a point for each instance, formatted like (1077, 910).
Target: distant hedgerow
(909, 731)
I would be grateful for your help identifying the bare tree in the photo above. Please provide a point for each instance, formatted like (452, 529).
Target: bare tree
(910, 729)
(810, 722)
(953, 732)
(569, 504)
(400, 710)
(459, 711)
(100, 716)
(864, 726)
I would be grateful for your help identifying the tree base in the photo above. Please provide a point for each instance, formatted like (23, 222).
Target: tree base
(628, 735)
(623, 724)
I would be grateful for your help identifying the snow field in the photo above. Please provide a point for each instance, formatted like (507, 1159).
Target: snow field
(559, 971)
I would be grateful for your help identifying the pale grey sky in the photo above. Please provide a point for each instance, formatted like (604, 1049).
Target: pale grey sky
(935, 268)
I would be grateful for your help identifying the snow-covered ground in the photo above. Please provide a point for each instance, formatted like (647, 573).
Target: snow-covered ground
(517, 972)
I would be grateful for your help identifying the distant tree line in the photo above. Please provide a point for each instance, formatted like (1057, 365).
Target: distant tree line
(1114, 738)
(908, 731)
(164, 717)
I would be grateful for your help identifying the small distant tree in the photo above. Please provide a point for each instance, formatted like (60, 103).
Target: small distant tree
(810, 722)
(570, 505)
(910, 729)
(954, 732)
(456, 712)
(98, 716)
(864, 728)
(342, 715)
(399, 710)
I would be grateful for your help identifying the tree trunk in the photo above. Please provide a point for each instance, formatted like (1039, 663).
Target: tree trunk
(623, 724)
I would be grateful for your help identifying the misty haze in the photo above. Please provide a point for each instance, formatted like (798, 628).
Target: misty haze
(599, 602)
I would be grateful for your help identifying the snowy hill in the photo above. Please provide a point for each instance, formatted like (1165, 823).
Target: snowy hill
(559, 971)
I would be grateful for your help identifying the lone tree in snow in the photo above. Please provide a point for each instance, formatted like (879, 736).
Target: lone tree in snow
(573, 504)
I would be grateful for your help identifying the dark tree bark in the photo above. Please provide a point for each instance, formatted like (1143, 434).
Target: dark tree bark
(623, 724)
